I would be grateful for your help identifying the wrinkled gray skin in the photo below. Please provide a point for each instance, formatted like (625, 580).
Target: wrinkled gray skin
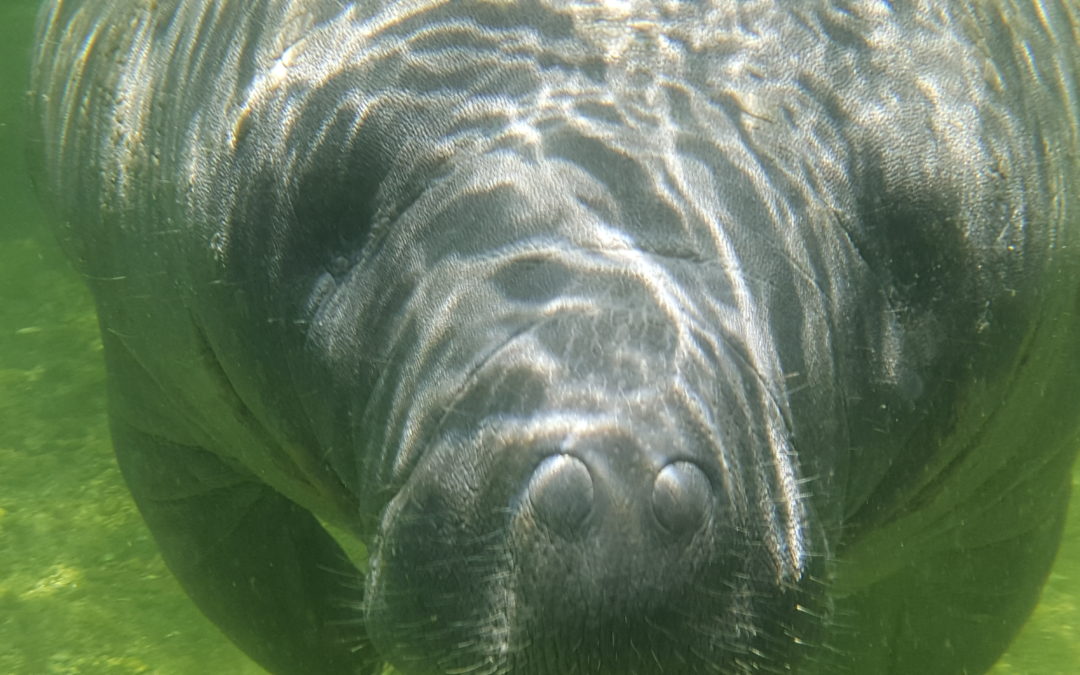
(628, 337)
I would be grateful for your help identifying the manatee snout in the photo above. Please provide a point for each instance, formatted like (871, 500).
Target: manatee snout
(567, 497)
(575, 538)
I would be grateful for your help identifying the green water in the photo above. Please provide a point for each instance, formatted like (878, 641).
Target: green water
(82, 589)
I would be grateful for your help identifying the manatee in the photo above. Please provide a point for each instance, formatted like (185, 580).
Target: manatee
(620, 337)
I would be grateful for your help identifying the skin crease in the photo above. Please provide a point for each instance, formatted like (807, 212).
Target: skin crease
(626, 337)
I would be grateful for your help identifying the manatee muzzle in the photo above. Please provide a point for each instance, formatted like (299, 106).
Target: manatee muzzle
(581, 535)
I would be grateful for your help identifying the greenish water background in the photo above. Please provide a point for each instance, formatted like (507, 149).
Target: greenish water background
(82, 589)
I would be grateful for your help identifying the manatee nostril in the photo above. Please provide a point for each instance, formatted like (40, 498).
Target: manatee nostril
(561, 493)
(681, 497)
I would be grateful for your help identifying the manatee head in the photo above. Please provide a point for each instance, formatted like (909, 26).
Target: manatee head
(584, 468)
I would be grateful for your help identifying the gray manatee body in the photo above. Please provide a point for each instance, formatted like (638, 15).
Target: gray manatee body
(627, 337)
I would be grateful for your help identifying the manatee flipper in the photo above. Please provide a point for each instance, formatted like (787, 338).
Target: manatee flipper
(956, 610)
(260, 567)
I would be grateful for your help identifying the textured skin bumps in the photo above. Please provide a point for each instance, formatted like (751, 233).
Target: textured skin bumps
(627, 337)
